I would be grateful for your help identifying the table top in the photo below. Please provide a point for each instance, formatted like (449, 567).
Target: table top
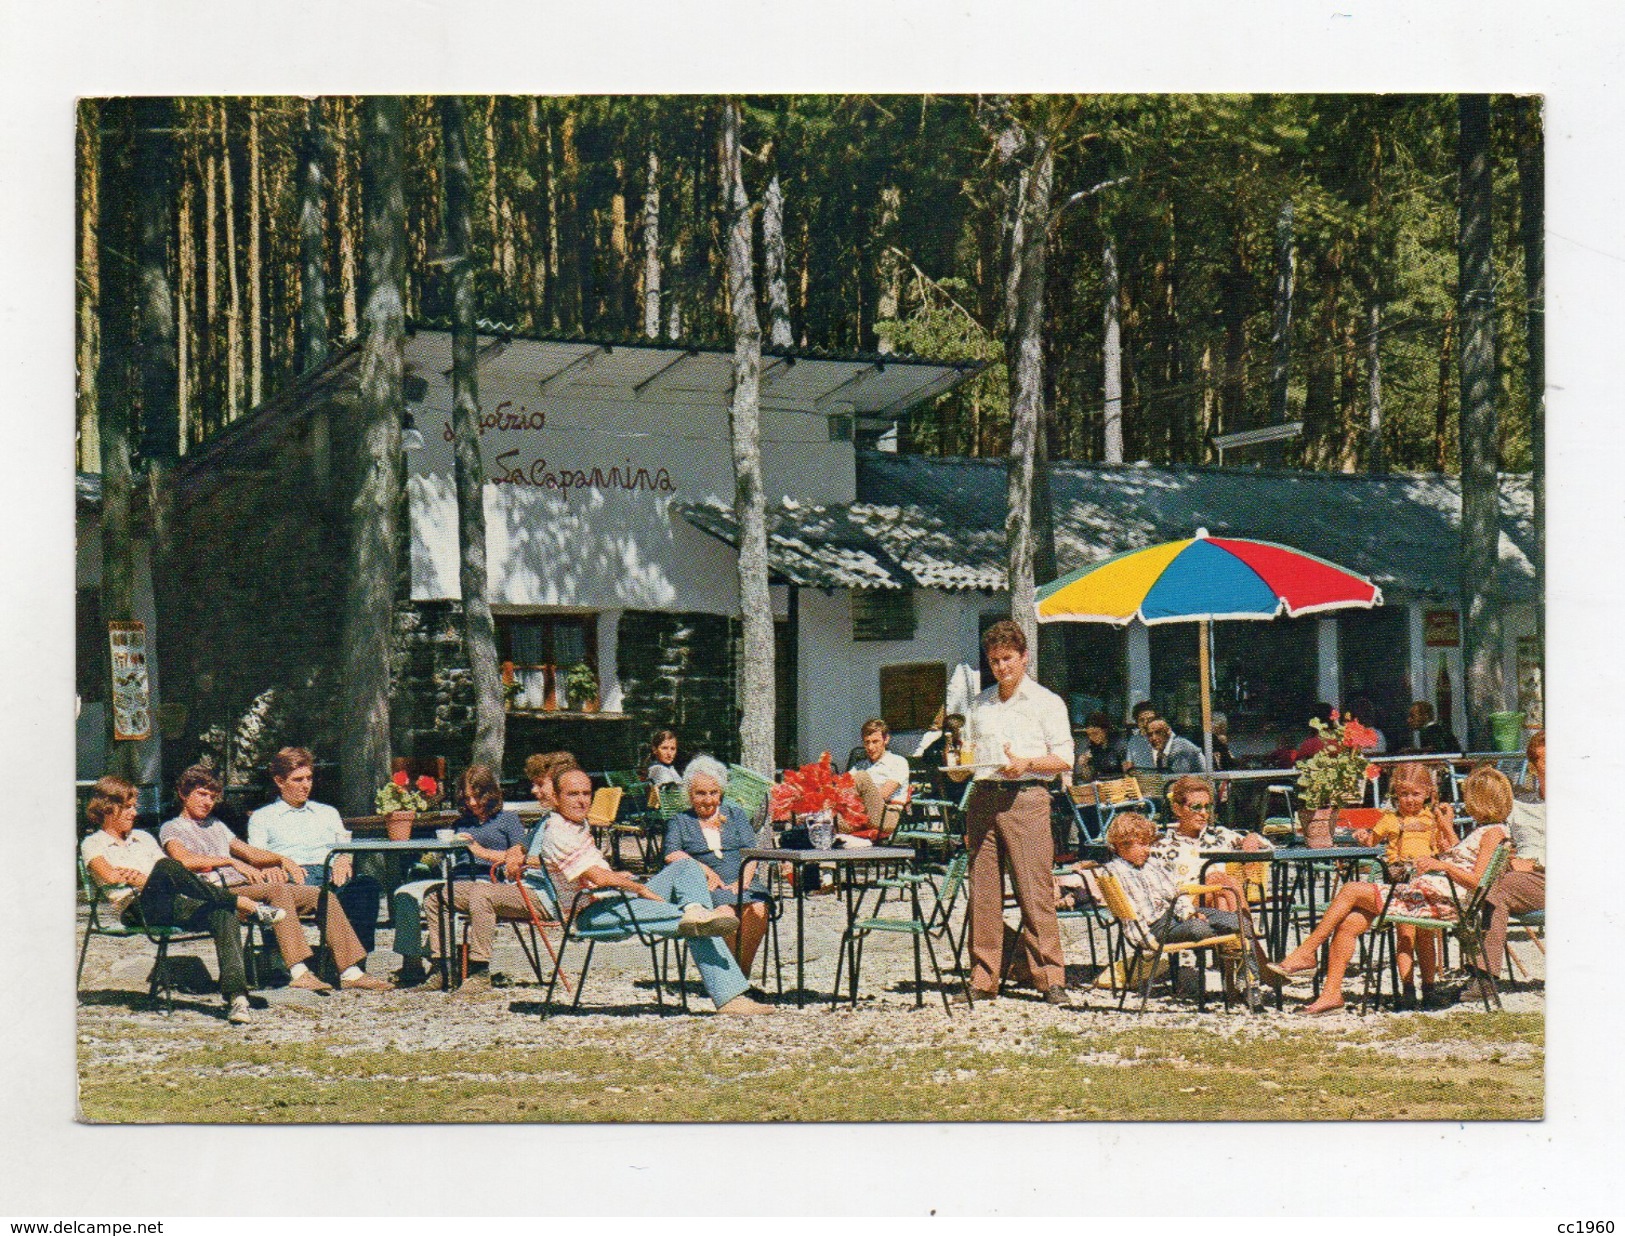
(874, 853)
(416, 845)
(1294, 854)
(1284, 775)
(377, 823)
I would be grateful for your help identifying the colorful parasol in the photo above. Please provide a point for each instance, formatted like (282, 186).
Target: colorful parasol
(1203, 579)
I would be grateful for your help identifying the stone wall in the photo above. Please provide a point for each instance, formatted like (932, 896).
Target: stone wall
(678, 672)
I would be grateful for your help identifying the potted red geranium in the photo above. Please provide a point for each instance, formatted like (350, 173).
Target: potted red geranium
(818, 796)
(401, 799)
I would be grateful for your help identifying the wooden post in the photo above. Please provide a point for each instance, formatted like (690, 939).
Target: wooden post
(1207, 703)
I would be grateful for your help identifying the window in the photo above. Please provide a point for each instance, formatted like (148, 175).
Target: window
(883, 613)
(911, 694)
(542, 648)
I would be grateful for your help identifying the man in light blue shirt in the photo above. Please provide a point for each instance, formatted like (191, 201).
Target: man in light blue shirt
(306, 832)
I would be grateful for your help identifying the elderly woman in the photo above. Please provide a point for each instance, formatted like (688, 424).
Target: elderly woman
(713, 833)
(1487, 796)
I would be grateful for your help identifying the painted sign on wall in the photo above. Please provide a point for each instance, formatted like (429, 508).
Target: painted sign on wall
(132, 704)
(1441, 628)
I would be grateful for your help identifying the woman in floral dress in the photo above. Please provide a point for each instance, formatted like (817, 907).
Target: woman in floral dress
(1487, 796)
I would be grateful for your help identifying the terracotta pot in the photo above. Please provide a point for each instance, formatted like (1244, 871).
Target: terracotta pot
(1316, 825)
(398, 825)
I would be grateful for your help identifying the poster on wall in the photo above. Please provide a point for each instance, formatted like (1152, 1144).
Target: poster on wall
(132, 711)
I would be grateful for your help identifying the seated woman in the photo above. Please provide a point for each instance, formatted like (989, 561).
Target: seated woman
(1101, 757)
(495, 838)
(159, 892)
(713, 833)
(1170, 915)
(1487, 796)
(1193, 831)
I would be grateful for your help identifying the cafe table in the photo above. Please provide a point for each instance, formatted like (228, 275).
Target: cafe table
(846, 862)
(1289, 871)
(446, 849)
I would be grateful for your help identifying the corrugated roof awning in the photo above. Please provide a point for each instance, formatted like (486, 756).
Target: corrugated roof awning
(810, 547)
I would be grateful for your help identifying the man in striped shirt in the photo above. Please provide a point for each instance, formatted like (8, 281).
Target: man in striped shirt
(675, 902)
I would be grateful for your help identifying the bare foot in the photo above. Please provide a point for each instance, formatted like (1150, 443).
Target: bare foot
(1318, 1007)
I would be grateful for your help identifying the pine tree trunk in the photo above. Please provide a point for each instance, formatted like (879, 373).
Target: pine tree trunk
(234, 299)
(1112, 356)
(89, 285)
(890, 274)
(312, 234)
(344, 182)
(1441, 404)
(1375, 457)
(113, 389)
(1532, 226)
(1024, 302)
(185, 298)
(744, 416)
(490, 715)
(1233, 411)
(651, 249)
(778, 291)
(373, 564)
(1281, 328)
(256, 263)
(1480, 496)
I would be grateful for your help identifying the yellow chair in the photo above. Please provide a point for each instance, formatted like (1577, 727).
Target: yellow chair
(601, 818)
(1134, 933)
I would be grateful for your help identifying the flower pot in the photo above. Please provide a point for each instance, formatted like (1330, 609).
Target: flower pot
(1316, 824)
(398, 825)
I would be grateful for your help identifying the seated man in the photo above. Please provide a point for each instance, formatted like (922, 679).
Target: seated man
(306, 832)
(881, 776)
(675, 902)
(146, 887)
(1522, 886)
(206, 847)
(408, 901)
(1170, 753)
(1137, 751)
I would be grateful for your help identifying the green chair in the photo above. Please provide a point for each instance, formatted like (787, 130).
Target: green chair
(97, 898)
(749, 789)
(1467, 929)
(673, 800)
(593, 936)
(918, 926)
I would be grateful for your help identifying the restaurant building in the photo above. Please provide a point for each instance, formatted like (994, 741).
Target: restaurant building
(610, 545)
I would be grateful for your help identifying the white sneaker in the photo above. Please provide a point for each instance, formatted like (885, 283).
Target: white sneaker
(698, 921)
(269, 916)
(237, 1012)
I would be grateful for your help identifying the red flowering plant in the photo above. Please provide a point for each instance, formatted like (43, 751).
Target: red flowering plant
(1334, 776)
(402, 794)
(817, 787)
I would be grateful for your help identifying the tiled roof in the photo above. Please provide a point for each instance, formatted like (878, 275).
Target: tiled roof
(938, 522)
(1401, 530)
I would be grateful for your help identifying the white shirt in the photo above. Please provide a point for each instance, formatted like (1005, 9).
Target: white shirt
(138, 852)
(1032, 722)
(304, 834)
(889, 767)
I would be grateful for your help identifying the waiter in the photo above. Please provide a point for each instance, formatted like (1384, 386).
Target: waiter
(1008, 820)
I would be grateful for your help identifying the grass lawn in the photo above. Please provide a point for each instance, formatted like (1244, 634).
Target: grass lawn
(1467, 1065)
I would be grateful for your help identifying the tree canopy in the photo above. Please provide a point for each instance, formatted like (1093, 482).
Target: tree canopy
(892, 220)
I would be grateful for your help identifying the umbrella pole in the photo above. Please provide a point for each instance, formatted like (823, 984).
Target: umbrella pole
(1207, 703)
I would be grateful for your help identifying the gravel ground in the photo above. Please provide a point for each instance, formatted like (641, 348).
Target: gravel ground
(619, 1007)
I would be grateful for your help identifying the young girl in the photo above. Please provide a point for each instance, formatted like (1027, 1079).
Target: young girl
(1417, 830)
(659, 770)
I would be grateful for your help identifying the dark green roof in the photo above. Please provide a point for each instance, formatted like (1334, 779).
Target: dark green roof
(938, 522)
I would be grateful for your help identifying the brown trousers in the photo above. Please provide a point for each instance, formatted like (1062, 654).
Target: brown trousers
(294, 900)
(484, 903)
(1516, 892)
(1008, 825)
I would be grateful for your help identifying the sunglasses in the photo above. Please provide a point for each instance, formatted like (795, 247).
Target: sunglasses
(1204, 808)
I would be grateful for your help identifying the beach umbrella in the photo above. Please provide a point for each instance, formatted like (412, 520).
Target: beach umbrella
(1204, 579)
